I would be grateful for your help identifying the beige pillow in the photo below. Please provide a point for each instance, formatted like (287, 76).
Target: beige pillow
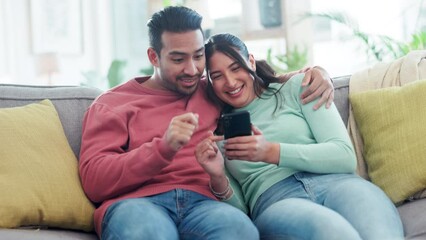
(392, 125)
(39, 180)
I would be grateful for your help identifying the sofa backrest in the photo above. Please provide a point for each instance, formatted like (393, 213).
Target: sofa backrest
(70, 102)
(341, 93)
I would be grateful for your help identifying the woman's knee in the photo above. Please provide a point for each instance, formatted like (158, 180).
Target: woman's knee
(303, 219)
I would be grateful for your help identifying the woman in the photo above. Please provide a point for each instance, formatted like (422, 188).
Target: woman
(297, 170)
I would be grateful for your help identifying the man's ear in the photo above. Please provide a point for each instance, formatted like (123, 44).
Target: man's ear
(153, 57)
(252, 62)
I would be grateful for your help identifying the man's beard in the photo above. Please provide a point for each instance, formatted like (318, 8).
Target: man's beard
(187, 90)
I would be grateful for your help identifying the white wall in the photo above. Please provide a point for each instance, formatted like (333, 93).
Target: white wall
(4, 64)
(130, 39)
(116, 29)
(342, 53)
(17, 64)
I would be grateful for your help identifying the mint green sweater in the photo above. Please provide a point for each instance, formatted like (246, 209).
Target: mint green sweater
(310, 140)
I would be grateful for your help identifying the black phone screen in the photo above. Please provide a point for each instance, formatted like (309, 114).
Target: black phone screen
(236, 124)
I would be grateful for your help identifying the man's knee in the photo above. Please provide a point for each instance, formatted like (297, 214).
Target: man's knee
(137, 219)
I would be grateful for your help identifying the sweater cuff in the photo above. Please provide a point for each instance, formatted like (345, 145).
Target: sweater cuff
(165, 150)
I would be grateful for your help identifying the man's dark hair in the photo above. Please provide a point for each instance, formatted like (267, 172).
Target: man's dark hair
(174, 19)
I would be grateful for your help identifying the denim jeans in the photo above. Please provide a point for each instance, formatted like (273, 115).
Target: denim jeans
(326, 206)
(177, 214)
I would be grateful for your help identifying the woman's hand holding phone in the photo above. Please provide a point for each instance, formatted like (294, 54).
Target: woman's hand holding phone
(254, 148)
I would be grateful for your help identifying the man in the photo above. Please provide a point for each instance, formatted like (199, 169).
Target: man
(137, 156)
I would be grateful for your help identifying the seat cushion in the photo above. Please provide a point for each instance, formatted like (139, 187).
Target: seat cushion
(414, 220)
(45, 234)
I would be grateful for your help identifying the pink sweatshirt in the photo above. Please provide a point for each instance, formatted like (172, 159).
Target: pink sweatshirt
(123, 153)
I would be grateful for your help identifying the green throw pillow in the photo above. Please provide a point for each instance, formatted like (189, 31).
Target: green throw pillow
(39, 179)
(392, 123)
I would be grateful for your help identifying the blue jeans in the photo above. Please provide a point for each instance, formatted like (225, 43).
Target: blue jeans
(177, 214)
(326, 206)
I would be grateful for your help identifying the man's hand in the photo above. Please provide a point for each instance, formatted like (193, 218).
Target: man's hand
(319, 82)
(319, 85)
(180, 130)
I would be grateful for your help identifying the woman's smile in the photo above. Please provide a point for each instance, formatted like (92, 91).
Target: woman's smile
(236, 92)
(231, 82)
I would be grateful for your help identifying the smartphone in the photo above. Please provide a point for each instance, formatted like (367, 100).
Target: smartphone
(236, 124)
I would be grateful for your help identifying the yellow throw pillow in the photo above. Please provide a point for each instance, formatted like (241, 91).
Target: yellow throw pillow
(392, 125)
(39, 179)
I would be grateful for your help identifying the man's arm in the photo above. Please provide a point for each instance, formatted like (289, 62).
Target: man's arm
(286, 76)
(319, 85)
(107, 170)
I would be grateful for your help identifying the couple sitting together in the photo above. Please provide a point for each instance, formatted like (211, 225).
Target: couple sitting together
(151, 162)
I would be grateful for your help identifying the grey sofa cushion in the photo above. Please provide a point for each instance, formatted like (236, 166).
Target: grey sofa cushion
(70, 101)
(413, 218)
(341, 91)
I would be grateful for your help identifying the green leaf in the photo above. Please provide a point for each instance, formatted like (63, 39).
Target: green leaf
(294, 59)
(115, 73)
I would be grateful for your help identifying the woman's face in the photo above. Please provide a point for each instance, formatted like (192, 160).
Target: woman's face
(231, 83)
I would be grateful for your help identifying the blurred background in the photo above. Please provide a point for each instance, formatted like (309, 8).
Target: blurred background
(102, 43)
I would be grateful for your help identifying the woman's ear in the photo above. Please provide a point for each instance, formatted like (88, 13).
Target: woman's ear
(153, 57)
(252, 62)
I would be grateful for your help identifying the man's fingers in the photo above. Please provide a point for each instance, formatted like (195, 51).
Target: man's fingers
(330, 99)
(181, 129)
(312, 89)
(320, 102)
(191, 118)
(185, 123)
(327, 97)
(313, 95)
(307, 78)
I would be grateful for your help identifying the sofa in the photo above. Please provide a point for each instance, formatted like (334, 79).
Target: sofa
(71, 103)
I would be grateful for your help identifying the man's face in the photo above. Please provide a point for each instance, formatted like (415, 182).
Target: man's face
(182, 61)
